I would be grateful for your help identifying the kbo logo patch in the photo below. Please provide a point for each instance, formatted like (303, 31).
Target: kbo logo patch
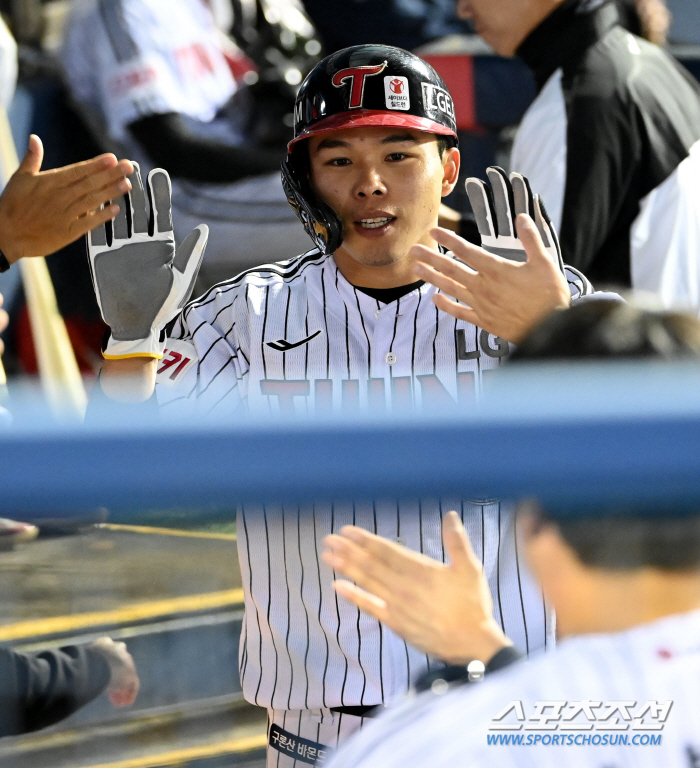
(396, 92)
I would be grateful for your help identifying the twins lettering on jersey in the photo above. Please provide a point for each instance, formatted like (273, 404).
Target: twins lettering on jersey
(180, 355)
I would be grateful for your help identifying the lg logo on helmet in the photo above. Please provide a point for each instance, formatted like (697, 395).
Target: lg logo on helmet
(436, 99)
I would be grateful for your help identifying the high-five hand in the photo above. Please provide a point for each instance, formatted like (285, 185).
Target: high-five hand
(43, 211)
(444, 610)
(517, 277)
(141, 282)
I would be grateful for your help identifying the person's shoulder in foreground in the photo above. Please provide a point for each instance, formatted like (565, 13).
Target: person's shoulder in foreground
(522, 714)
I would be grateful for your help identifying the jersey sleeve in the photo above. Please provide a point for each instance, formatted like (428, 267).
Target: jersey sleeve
(204, 370)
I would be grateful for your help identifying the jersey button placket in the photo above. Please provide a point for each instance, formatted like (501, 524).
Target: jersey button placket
(390, 358)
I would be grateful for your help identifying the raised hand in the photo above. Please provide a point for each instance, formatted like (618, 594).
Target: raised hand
(43, 211)
(516, 278)
(443, 610)
(140, 281)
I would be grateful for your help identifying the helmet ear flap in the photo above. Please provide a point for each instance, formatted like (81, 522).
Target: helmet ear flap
(321, 222)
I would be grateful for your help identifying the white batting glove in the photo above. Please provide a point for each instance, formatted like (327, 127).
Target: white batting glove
(496, 209)
(140, 281)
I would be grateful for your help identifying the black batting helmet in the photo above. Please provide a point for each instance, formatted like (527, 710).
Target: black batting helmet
(366, 85)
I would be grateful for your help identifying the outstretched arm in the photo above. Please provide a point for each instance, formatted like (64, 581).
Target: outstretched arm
(444, 610)
(39, 689)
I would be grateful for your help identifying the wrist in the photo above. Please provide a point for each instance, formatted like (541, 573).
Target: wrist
(482, 647)
(8, 242)
(130, 380)
(151, 347)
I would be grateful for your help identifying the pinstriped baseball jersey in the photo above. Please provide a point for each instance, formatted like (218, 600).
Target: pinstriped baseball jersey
(623, 700)
(296, 336)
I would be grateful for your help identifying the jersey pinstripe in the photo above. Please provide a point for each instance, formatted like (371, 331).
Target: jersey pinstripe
(296, 336)
(657, 662)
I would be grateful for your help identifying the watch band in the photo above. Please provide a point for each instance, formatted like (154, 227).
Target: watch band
(4, 263)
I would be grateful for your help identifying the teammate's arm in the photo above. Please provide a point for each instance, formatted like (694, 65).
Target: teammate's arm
(444, 610)
(43, 211)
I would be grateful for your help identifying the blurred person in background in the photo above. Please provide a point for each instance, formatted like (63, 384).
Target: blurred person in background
(402, 23)
(169, 87)
(624, 585)
(611, 141)
(649, 19)
(39, 689)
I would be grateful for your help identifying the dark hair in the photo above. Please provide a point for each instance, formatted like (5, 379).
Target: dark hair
(626, 543)
(443, 144)
(605, 329)
(601, 329)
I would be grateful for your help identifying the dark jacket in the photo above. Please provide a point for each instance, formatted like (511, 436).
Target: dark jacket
(612, 142)
(39, 689)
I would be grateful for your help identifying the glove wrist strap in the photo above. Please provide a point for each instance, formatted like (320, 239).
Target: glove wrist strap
(120, 350)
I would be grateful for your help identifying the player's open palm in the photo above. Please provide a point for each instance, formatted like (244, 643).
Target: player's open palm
(140, 279)
(516, 278)
(443, 610)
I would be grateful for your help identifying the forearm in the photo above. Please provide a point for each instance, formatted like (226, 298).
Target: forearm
(40, 689)
(171, 145)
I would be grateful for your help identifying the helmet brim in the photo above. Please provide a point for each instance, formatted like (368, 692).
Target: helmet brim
(367, 118)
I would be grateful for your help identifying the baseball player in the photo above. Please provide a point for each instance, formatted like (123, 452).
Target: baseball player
(621, 689)
(345, 326)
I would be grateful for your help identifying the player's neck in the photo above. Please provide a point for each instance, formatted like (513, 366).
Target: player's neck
(394, 275)
(612, 601)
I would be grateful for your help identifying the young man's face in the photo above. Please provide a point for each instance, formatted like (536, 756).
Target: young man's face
(385, 184)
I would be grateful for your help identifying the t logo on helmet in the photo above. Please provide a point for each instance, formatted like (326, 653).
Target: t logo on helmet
(357, 76)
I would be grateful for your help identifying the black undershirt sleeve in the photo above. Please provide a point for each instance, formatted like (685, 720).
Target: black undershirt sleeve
(172, 145)
(37, 690)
